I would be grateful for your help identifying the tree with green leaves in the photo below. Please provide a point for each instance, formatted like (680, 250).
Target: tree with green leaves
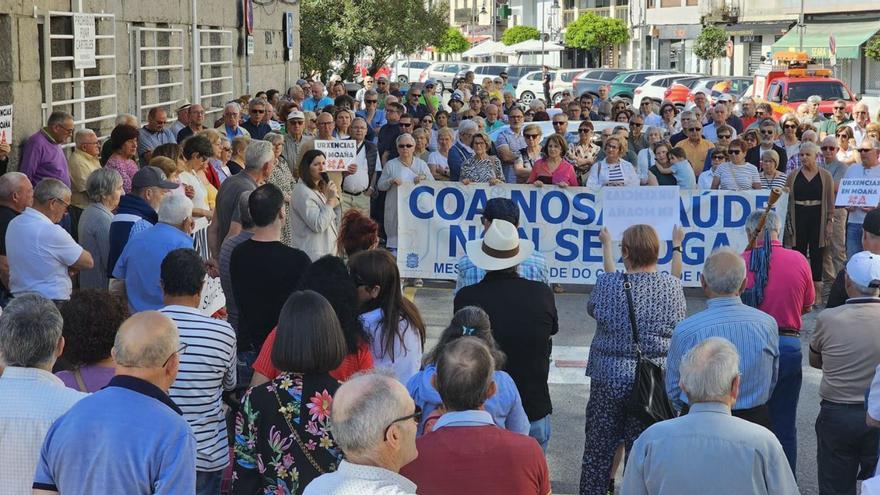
(711, 43)
(453, 42)
(596, 33)
(518, 34)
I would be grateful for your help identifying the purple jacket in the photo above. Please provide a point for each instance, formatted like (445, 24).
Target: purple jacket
(43, 158)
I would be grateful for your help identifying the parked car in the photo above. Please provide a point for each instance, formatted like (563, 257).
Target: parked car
(590, 80)
(516, 72)
(480, 71)
(679, 91)
(707, 85)
(443, 73)
(572, 134)
(404, 71)
(786, 89)
(624, 85)
(564, 80)
(655, 87)
(531, 86)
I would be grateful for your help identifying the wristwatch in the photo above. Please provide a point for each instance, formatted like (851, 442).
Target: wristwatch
(676, 248)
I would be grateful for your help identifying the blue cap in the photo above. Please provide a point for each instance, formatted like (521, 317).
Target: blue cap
(501, 209)
(430, 82)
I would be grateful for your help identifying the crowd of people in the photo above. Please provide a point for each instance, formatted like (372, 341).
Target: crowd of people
(314, 377)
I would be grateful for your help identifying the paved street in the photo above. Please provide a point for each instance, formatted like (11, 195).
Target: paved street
(569, 388)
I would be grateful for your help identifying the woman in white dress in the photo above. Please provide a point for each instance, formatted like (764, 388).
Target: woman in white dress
(406, 168)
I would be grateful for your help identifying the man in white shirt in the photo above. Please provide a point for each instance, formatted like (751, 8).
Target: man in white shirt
(31, 397)
(859, 125)
(41, 254)
(206, 371)
(357, 188)
(374, 423)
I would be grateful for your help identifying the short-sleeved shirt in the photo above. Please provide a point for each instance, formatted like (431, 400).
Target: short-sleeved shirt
(737, 177)
(149, 140)
(513, 140)
(228, 197)
(789, 286)
(39, 253)
(696, 153)
(848, 341)
(836, 169)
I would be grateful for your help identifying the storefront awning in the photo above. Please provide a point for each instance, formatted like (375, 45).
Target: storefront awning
(849, 37)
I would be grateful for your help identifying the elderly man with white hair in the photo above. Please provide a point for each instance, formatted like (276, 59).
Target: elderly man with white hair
(16, 194)
(861, 118)
(33, 398)
(141, 260)
(41, 254)
(128, 437)
(846, 347)
(461, 150)
(374, 423)
(751, 331)
(82, 162)
(232, 121)
(708, 449)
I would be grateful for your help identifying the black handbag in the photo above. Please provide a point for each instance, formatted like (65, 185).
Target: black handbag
(648, 401)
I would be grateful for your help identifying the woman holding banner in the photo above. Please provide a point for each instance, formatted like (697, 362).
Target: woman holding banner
(406, 168)
(530, 154)
(482, 167)
(810, 211)
(612, 170)
(554, 168)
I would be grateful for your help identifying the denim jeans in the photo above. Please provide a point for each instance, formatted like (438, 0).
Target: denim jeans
(245, 372)
(540, 431)
(784, 400)
(208, 483)
(853, 239)
(846, 448)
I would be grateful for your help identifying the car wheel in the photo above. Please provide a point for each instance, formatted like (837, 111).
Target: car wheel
(402, 80)
(527, 97)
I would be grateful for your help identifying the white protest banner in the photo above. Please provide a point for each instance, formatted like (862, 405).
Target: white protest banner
(212, 298)
(6, 124)
(655, 206)
(436, 219)
(339, 154)
(862, 191)
(84, 41)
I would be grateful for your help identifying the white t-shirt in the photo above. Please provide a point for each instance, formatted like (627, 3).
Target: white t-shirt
(39, 253)
(406, 362)
(199, 199)
(439, 161)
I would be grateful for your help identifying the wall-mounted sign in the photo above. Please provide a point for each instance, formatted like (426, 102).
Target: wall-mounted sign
(84, 41)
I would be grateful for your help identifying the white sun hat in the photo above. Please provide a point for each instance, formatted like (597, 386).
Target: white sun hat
(500, 248)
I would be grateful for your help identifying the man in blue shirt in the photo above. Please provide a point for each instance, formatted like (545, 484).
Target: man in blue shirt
(153, 134)
(708, 450)
(257, 126)
(318, 100)
(141, 260)
(753, 333)
(128, 437)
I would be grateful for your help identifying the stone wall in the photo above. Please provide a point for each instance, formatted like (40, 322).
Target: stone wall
(21, 63)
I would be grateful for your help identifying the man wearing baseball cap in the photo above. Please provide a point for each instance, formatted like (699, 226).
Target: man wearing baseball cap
(846, 347)
(522, 313)
(456, 102)
(871, 243)
(293, 138)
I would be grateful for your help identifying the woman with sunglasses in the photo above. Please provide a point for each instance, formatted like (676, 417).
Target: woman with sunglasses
(583, 154)
(196, 152)
(482, 167)
(718, 156)
(737, 174)
(613, 170)
(405, 168)
(770, 175)
(530, 154)
(847, 154)
(671, 125)
(396, 329)
(789, 139)
(427, 123)
(311, 124)
(553, 168)
(283, 434)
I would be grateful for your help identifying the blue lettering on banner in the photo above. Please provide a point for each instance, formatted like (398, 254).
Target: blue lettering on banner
(437, 220)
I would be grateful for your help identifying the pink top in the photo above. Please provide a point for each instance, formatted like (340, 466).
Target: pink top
(564, 173)
(789, 286)
(126, 168)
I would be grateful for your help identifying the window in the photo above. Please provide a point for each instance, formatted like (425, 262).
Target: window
(692, 3)
(828, 90)
(568, 76)
(670, 3)
(493, 70)
(774, 93)
(404, 64)
(419, 65)
(534, 76)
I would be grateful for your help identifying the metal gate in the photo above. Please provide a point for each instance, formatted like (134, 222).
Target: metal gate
(214, 50)
(755, 54)
(158, 64)
(88, 94)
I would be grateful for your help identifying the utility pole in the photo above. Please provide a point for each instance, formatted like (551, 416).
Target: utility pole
(801, 28)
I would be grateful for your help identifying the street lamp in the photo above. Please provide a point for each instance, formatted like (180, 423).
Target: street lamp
(553, 32)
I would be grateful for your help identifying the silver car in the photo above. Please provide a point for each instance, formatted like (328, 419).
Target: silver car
(443, 73)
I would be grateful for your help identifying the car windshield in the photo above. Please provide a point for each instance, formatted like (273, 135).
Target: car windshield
(828, 90)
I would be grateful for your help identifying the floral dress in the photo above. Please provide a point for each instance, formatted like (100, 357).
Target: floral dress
(282, 178)
(282, 435)
(482, 170)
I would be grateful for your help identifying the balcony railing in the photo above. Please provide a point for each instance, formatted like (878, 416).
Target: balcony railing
(620, 12)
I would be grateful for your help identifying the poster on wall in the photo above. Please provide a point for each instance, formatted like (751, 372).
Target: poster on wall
(84, 41)
(6, 124)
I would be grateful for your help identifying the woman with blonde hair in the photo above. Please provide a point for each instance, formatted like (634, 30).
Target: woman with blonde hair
(482, 167)
(438, 161)
(531, 154)
(422, 137)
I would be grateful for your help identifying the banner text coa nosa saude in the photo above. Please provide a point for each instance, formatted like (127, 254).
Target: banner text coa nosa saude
(436, 220)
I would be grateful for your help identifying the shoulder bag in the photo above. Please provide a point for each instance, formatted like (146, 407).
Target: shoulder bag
(648, 401)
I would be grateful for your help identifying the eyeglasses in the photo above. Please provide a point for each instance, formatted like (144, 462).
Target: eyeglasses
(371, 102)
(789, 126)
(646, 103)
(415, 94)
(402, 124)
(558, 123)
(531, 136)
(405, 145)
(668, 109)
(585, 131)
(724, 136)
(694, 129)
(734, 152)
(719, 157)
(182, 350)
(65, 203)
(416, 416)
(427, 121)
(429, 86)
(829, 148)
(635, 124)
(865, 150)
(767, 132)
(840, 108)
(383, 82)
(475, 143)
(227, 149)
(258, 111)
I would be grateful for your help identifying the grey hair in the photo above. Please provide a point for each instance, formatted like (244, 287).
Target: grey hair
(258, 101)
(653, 129)
(724, 271)
(810, 147)
(58, 118)
(258, 153)
(232, 106)
(152, 353)
(80, 135)
(863, 290)
(371, 92)
(274, 138)
(404, 137)
(174, 209)
(829, 140)
(127, 118)
(49, 189)
(10, 183)
(708, 370)
(29, 331)
(467, 126)
(101, 184)
(376, 406)
(771, 224)
(687, 114)
(537, 105)
(814, 99)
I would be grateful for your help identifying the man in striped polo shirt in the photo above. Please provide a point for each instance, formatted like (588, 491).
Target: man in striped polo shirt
(207, 366)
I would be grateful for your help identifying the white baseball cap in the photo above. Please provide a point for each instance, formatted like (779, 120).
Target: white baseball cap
(864, 269)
